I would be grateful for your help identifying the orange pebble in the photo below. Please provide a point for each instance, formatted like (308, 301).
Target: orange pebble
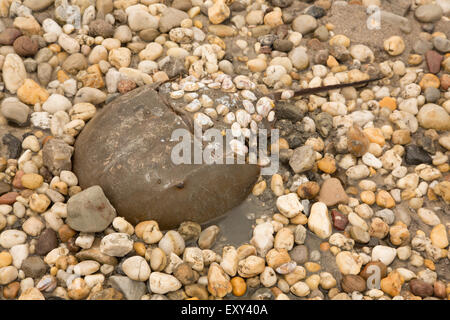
(388, 102)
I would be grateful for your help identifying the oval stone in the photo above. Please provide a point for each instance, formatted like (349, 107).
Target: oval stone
(126, 149)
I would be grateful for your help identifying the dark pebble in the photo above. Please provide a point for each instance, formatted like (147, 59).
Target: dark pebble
(434, 61)
(283, 45)
(47, 241)
(34, 267)
(421, 288)
(281, 3)
(415, 155)
(14, 145)
(340, 221)
(316, 11)
(267, 40)
(25, 46)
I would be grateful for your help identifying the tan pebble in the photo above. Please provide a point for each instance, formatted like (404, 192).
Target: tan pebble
(429, 80)
(32, 180)
(439, 236)
(312, 266)
(375, 135)
(384, 199)
(276, 185)
(39, 202)
(394, 45)
(368, 197)
(5, 259)
(31, 294)
(392, 284)
(259, 188)
(31, 93)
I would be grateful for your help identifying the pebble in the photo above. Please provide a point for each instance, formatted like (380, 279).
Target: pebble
(172, 241)
(439, 236)
(332, 193)
(219, 284)
(289, 205)
(218, 12)
(394, 45)
(46, 242)
(421, 288)
(432, 116)
(15, 111)
(319, 220)
(34, 267)
(348, 262)
(304, 24)
(299, 58)
(96, 216)
(208, 237)
(136, 268)
(384, 254)
(132, 290)
(428, 13)
(14, 73)
(116, 244)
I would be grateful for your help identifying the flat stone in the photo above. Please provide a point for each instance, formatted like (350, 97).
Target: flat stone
(129, 164)
(415, 155)
(34, 267)
(434, 60)
(90, 210)
(171, 18)
(15, 111)
(332, 192)
(131, 289)
(303, 159)
(47, 241)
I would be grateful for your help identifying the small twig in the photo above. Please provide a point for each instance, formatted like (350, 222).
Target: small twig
(304, 92)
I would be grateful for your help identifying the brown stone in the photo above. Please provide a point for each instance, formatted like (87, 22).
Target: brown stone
(65, 233)
(130, 163)
(358, 142)
(8, 198)
(365, 274)
(434, 61)
(185, 274)
(11, 290)
(340, 220)
(332, 192)
(47, 241)
(308, 190)
(445, 82)
(25, 46)
(351, 283)
(8, 36)
(126, 85)
(440, 290)
(421, 288)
